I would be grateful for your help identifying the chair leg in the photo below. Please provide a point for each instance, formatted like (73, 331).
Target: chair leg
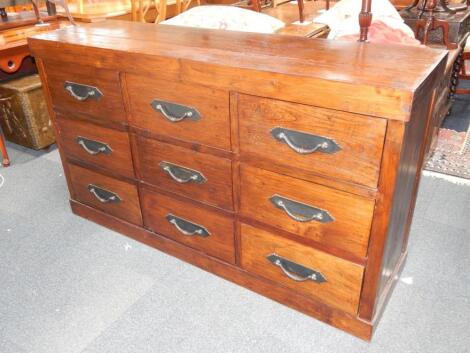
(3, 13)
(3, 151)
(141, 11)
(161, 8)
(134, 10)
(36, 11)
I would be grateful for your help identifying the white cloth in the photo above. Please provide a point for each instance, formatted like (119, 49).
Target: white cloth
(343, 18)
(228, 18)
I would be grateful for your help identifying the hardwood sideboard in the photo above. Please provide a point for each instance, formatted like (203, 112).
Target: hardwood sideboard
(287, 165)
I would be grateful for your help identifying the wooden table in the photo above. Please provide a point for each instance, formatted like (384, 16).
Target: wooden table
(289, 14)
(98, 10)
(14, 52)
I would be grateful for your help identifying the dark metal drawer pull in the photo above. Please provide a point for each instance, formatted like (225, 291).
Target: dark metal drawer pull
(82, 92)
(304, 143)
(299, 211)
(103, 195)
(186, 227)
(295, 271)
(182, 175)
(93, 147)
(175, 112)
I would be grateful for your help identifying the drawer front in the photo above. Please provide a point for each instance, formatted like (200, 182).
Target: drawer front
(312, 211)
(198, 228)
(110, 195)
(302, 140)
(95, 144)
(196, 175)
(182, 111)
(313, 273)
(87, 90)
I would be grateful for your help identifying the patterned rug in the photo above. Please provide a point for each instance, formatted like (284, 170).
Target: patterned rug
(452, 154)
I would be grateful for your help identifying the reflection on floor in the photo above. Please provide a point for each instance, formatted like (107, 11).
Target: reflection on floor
(70, 286)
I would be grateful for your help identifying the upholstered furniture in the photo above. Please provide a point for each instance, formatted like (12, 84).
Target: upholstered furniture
(287, 165)
(226, 18)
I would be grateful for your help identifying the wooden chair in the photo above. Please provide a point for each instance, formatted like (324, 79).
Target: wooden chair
(258, 5)
(140, 8)
(463, 74)
(183, 5)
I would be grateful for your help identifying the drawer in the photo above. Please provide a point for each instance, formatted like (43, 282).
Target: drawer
(196, 175)
(95, 144)
(311, 211)
(110, 195)
(88, 90)
(193, 226)
(315, 274)
(302, 140)
(179, 110)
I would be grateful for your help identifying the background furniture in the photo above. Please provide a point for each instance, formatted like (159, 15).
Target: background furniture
(15, 59)
(456, 35)
(24, 118)
(273, 174)
(141, 9)
(288, 13)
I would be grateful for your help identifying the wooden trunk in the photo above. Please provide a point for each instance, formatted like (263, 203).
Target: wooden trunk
(24, 116)
(287, 165)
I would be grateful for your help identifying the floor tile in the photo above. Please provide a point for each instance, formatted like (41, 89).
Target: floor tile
(450, 205)
(66, 304)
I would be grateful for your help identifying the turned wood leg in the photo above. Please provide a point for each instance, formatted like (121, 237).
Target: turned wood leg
(454, 81)
(3, 151)
(365, 19)
(300, 4)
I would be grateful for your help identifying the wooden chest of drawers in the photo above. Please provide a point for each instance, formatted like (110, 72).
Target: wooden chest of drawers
(290, 172)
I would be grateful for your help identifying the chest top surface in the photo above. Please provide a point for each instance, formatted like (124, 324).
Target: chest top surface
(391, 71)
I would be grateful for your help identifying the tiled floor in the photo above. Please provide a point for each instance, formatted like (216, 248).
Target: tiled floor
(70, 286)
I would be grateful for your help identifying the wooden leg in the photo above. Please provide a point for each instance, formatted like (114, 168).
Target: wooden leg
(3, 151)
(141, 11)
(65, 6)
(36, 11)
(256, 5)
(300, 4)
(51, 9)
(3, 13)
(134, 10)
(365, 19)
(161, 16)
